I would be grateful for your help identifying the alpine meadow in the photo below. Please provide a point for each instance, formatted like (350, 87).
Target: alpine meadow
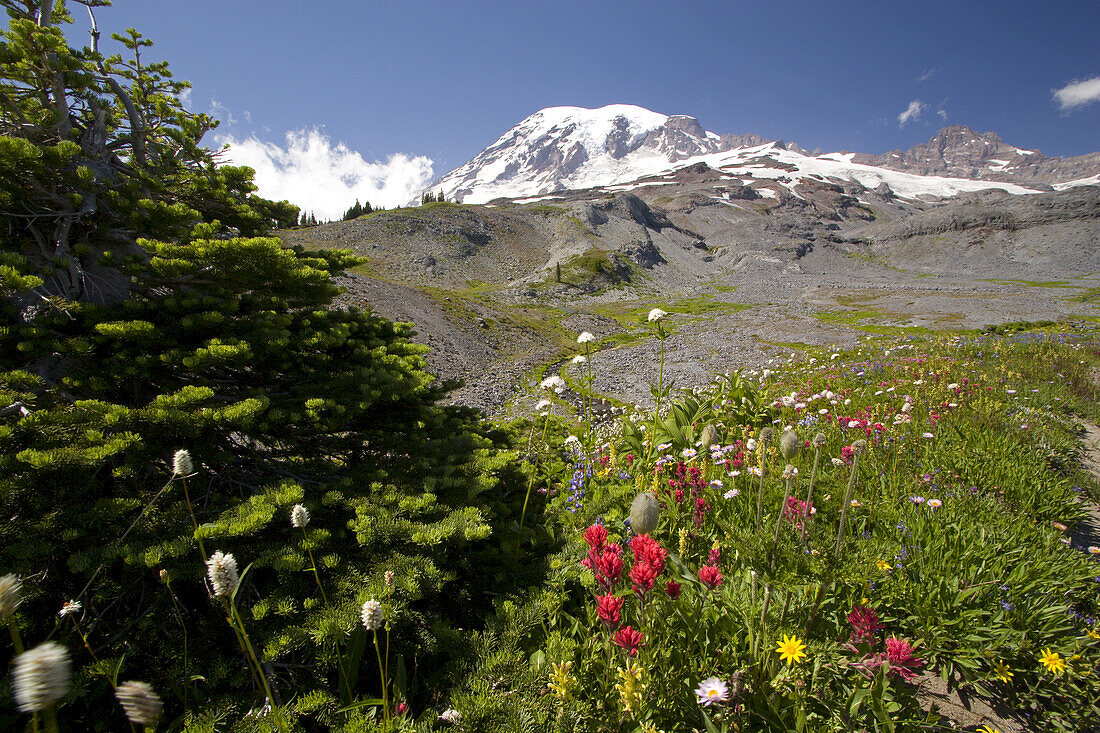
(623, 425)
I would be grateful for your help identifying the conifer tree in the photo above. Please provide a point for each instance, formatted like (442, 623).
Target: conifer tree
(143, 311)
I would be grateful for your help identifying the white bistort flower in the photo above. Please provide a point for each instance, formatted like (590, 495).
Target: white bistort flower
(182, 464)
(11, 595)
(542, 405)
(299, 516)
(656, 314)
(142, 705)
(586, 338)
(371, 614)
(221, 568)
(580, 359)
(451, 716)
(40, 677)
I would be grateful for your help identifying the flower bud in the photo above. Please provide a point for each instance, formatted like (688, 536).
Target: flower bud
(788, 444)
(708, 437)
(643, 513)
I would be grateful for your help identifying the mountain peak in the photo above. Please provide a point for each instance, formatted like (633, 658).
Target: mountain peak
(618, 146)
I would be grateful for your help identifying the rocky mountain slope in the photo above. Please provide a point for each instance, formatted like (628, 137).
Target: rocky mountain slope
(959, 152)
(571, 148)
(594, 216)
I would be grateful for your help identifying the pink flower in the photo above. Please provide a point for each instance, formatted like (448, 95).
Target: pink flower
(864, 622)
(899, 653)
(796, 509)
(672, 589)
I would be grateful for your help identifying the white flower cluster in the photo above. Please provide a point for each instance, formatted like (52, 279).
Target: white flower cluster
(371, 615)
(142, 705)
(299, 516)
(221, 568)
(553, 383)
(40, 677)
(182, 465)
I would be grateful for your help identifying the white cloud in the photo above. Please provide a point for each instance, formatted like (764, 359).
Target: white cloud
(927, 75)
(1078, 93)
(912, 112)
(326, 178)
(942, 113)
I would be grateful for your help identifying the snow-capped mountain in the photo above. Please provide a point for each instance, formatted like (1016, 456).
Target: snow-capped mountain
(570, 148)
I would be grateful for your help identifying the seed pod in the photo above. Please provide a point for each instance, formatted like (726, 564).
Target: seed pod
(643, 513)
(859, 446)
(766, 434)
(708, 437)
(819, 440)
(788, 444)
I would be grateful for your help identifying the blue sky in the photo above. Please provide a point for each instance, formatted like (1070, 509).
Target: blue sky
(356, 82)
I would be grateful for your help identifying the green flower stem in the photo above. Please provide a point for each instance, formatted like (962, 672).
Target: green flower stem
(660, 389)
(317, 577)
(385, 691)
(16, 640)
(50, 714)
(810, 493)
(786, 605)
(531, 481)
(237, 623)
(389, 613)
(760, 492)
(179, 615)
(847, 503)
(194, 522)
(764, 615)
(779, 524)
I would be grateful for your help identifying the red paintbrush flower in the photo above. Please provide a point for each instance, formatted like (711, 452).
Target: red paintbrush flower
(644, 577)
(648, 551)
(628, 639)
(899, 653)
(710, 576)
(608, 608)
(672, 589)
(609, 566)
(596, 536)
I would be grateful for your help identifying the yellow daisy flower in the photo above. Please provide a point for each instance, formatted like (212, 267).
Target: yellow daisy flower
(988, 729)
(790, 649)
(883, 565)
(1002, 672)
(1053, 662)
(1092, 634)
